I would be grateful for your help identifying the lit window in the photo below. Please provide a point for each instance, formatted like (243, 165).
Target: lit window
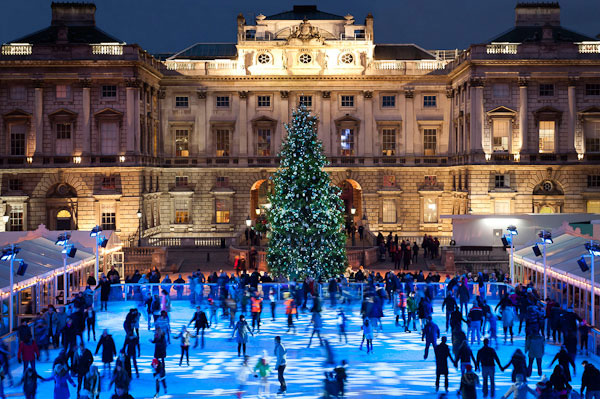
(62, 92)
(500, 90)
(592, 89)
(263, 101)
(592, 137)
(546, 136)
(15, 220)
(222, 101)
(182, 142)
(389, 211)
(430, 211)
(546, 90)
(347, 58)
(181, 181)
(17, 139)
(264, 58)
(500, 129)
(347, 101)
(306, 101)
(429, 101)
(222, 211)
(18, 93)
(305, 58)
(388, 101)
(593, 206)
(388, 142)
(109, 91)
(430, 141)
(108, 219)
(182, 212)
(347, 142)
(109, 134)
(182, 102)
(593, 181)
(223, 142)
(263, 143)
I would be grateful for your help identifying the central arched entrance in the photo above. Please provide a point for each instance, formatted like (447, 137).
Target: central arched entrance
(351, 195)
(259, 197)
(63, 220)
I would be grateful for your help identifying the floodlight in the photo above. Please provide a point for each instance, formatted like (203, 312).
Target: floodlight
(583, 264)
(593, 249)
(103, 242)
(536, 250)
(22, 268)
(95, 231)
(505, 242)
(63, 239)
(512, 230)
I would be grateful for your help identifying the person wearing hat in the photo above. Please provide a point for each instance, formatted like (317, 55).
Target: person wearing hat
(60, 375)
(262, 369)
(519, 389)
(590, 381)
(158, 370)
(290, 310)
(468, 383)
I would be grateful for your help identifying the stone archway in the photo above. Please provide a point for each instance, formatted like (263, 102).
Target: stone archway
(259, 197)
(61, 207)
(351, 195)
(548, 197)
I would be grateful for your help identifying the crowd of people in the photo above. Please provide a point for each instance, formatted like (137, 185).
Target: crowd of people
(470, 323)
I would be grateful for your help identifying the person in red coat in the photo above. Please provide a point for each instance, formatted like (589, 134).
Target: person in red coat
(28, 352)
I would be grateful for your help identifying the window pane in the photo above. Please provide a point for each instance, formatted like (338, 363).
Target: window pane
(593, 206)
(388, 101)
(429, 101)
(347, 142)
(306, 101)
(264, 101)
(181, 102)
(546, 136)
(430, 141)
(389, 211)
(62, 92)
(592, 137)
(500, 132)
(388, 143)
(222, 141)
(347, 101)
(182, 137)
(182, 214)
(223, 101)
(109, 132)
(430, 214)
(109, 91)
(222, 211)
(263, 143)
(17, 139)
(546, 90)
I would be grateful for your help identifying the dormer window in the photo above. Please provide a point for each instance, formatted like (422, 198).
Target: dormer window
(305, 58)
(264, 58)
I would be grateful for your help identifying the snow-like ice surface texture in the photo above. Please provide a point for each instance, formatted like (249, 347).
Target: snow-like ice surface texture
(396, 369)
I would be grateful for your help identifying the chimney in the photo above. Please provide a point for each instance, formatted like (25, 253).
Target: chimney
(369, 26)
(73, 14)
(537, 14)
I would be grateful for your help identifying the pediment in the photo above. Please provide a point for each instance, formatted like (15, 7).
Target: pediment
(590, 110)
(63, 114)
(547, 113)
(108, 113)
(347, 119)
(264, 120)
(16, 114)
(501, 110)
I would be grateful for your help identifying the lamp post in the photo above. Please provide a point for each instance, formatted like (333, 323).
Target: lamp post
(248, 224)
(139, 216)
(512, 232)
(593, 250)
(546, 237)
(352, 227)
(364, 225)
(101, 241)
(9, 254)
(68, 251)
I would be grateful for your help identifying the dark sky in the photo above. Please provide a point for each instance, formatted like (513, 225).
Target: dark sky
(171, 25)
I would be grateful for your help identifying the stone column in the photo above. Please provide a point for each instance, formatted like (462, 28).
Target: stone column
(572, 116)
(448, 113)
(86, 123)
(479, 143)
(370, 141)
(164, 146)
(133, 117)
(200, 136)
(241, 126)
(520, 143)
(325, 133)
(38, 120)
(283, 112)
(409, 130)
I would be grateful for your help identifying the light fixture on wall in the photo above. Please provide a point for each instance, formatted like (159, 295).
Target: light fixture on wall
(257, 210)
(353, 211)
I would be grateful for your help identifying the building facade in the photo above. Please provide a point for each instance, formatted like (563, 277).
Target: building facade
(94, 129)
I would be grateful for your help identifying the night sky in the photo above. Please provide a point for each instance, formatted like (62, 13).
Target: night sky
(171, 25)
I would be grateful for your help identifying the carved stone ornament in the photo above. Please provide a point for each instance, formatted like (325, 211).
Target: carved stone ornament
(243, 94)
(476, 81)
(201, 94)
(135, 83)
(87, 83)
(523, 81)
(305, 33)
(162, 94)
(326, 94)
(449, 92)
(284, 94)
(573, 80)
(38, 83)
(367, 94)
(409, 92)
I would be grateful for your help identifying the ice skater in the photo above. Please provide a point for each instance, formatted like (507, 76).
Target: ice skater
(317, 323)
(241, 331)
(262, 369)
(341, 323)
(367, 330)
(158, 371)
(290, 311)
(200, 324)
(281, 355)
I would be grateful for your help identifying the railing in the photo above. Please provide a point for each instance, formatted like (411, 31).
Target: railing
(180, 65)
(17, 49)
(430, 65)
(187, 241)
(588, 47)
(107, 48)
(502, 48)
(389, 65)
(225, 64)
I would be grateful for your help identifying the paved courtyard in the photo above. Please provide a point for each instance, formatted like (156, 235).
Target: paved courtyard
(396, 369)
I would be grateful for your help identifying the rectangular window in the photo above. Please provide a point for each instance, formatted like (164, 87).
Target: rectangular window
(388, 101)
(305, 100)
(182, 142)
(109, 91)
(222, 211)
(263, 101)
(502, 207)
(592, 89)
(18, 93)
(347, 142)
(223, 140)
(222, 181)
(63, 131)
(181, 181)
(109, 183)
(429, 101)
(500, 129)
(389, 211)
(500, 90)
(592, 137)
(430, 211)
(15, 219)
(347, 101)
(501, 181)
(182, 102)
(546, 90)
(593, 181)
(63, 92)
(430, 141)
(593, 206)
(108, 219)
(388, 142)
(359, 33)
(263, 143)
(222, 101)
(109, 134)
(546, 136)
(17, 139)
(15, 185)
(182, 212)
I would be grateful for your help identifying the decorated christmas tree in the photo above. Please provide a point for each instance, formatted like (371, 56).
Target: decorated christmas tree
(305, 219)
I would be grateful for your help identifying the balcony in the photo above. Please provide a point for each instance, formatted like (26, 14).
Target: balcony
(588, 47)
(502, 48)
(107, 48)
(17, 49)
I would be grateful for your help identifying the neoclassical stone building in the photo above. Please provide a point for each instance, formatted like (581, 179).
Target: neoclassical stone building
(94, 129)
